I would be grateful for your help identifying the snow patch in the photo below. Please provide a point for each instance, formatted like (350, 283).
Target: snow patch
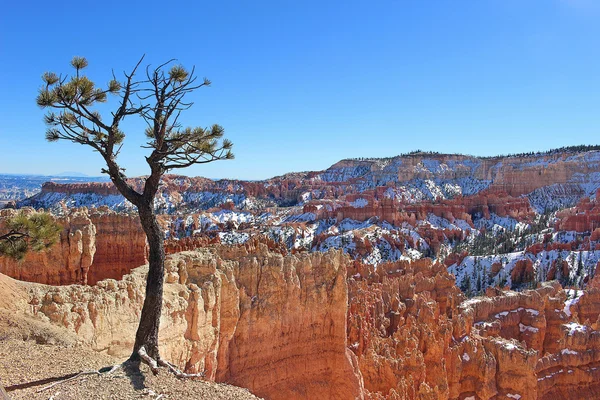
(359, 203)
(573, 297)
(575, 327)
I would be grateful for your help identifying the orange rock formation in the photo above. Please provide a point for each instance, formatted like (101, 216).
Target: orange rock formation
(67, 262)
(314, 325)
(585, 217)
(396, 212)
(94, 245)
(416, 339)
(272, 323)
(120, 245)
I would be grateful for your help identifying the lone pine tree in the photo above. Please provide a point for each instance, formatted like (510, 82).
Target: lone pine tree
(158, 98)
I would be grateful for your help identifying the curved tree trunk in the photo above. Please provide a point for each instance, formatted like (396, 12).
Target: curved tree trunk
(147, 333)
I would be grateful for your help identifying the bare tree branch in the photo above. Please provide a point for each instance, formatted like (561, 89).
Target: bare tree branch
(159, 100)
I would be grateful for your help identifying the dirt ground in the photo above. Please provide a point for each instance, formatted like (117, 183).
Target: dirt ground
(34, 356)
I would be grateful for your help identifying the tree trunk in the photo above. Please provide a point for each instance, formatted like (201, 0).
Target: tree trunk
(147, 333)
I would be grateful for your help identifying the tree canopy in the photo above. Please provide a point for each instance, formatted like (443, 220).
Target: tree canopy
(159, 99)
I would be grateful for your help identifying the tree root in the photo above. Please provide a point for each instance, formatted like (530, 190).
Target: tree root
(79, 375)
(156, 364)
(152, 363)
(103, 371)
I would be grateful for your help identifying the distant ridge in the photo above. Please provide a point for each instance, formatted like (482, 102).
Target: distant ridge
(73, 174)
(566, 149)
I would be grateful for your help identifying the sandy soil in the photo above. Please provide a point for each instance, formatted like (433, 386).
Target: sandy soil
(32, 357)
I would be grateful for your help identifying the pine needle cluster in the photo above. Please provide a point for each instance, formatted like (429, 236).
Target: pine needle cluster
(27, 232)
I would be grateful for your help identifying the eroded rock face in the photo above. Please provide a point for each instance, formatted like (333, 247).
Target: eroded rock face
(376, 204)
(399, 328)
(100, 188)
(415, 337)
(120, 245)
(272, 323)
(549, 352)
(584, 217)
(94, 245)
(318, 325)
(66, 262)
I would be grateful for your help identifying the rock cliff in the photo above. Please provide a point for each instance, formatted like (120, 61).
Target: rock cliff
(94, 245)
(67, 262)
(120, 244)
(275, 324)
(415, 337)
(319, 325)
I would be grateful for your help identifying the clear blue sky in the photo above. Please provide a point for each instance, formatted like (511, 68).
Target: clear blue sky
(299, 85)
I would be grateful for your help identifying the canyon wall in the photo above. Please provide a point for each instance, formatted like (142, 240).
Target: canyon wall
(94, 245)
(100, 188)
(120, 245)
(396, 212)
(399, 328)
(66, 262)
(416, 338)
(272, 323)
(515, 175)
(584, 217)
(319, 325)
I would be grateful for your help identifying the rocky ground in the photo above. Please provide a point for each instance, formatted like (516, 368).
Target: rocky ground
(28, 369)
(34, 356)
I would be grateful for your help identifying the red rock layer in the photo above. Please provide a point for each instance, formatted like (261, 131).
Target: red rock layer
(557, 356)
(290, 339)
(100, 188)
(400, 328)
(396, 212)
(69, 261)
(585, 217)
(414, 340)
(93, 245)
(120, 245)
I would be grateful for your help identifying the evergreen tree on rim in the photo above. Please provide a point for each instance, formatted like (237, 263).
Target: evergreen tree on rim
(159, 99)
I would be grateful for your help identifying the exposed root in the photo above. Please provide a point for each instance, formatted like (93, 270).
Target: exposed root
(103, 371)
(79, 375)
(114, 369)
(110, 370)
(178, 373)
(148, 360)
(154, 366)
(153, 393)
